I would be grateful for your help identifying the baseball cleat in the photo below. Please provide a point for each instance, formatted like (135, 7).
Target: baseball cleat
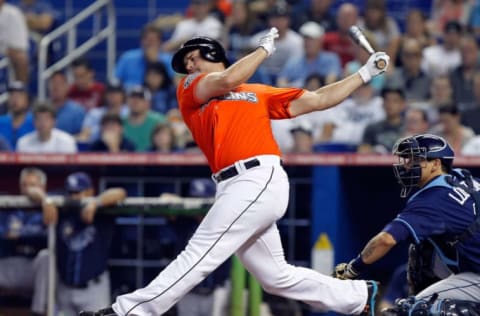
(369, 310)
(103, 312)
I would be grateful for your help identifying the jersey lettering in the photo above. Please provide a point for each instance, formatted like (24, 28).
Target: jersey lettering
(460, 195)
(242, 96)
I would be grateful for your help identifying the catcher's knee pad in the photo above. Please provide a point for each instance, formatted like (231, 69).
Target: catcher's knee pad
(445, 307)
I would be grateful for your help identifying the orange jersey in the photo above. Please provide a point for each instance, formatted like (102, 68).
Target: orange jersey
(236, 125)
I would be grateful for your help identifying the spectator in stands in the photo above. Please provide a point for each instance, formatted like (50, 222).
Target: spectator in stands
(23, 263)
(161, 88)
(451, 128)
(314, 60)
(69, 114)
(444, 11)
(4, 144)
(474, 19)
(289, 44)
(381, 136)
(85, 90)
(163, 139)
(383, 28)
(471, 147)
(115, 98)
(183, 136)
(302, 134)
(410, 76)
(462, 76)
(83, 241)
(39, 14)
(131, 66)
(240, 26)
(14, 40)
(339, 41)
(19, 119)
(440, 59)
(46, 138)
(142, 120)
(318, 11)
(471, 117)
(416, 121)
(416, 28)
(112, 138)
(201, 23)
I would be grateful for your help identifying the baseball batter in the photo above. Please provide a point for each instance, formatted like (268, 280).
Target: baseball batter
(230, 122)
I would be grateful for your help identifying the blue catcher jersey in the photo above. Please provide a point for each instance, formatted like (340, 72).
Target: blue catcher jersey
(83, 250)
(440, 212)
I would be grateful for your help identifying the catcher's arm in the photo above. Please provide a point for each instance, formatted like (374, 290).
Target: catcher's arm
(375, 249)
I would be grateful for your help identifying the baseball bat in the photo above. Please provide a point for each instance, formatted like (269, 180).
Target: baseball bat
(358, 37)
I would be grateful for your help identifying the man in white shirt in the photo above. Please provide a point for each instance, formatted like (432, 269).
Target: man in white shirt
(202, 23)
(440, 59)
(14, 39)
(46, 138)
(288, 46)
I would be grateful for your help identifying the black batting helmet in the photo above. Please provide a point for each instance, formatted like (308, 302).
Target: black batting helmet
(210, 50)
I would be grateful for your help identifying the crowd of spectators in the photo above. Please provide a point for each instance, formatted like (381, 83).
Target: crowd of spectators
(434, 80)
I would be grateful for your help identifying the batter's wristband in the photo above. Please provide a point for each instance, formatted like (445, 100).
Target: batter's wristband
(365, 74)
(357, 264)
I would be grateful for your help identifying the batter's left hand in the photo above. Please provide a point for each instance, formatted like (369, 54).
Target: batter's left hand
(371, 67)
(344, 271)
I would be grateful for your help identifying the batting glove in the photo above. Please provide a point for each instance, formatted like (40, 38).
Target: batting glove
(373, 66)
(267, 41)
(345, 271)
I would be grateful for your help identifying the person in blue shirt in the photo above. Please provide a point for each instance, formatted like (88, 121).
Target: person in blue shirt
(131, 66)
(314, 60)
(439, 210)
(83, 242)
(69, 114)
(39, 15)
(161, 88)
(19, 119)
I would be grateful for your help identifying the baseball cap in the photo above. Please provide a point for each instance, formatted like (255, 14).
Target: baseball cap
(78, 182)
(281, 8)
(312, 30)
(115, 87)
(452, 26)
(140, 92)
(302, 126)
(16, 86)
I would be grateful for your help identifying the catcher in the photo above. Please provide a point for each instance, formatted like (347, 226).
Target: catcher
(441, 220)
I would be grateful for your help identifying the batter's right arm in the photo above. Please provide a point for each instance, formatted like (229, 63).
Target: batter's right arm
(332, 94)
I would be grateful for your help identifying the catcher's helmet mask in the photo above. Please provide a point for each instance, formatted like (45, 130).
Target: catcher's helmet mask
(411, 151)
(210, 50)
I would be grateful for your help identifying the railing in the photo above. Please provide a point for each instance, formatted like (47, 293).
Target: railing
(73, 51)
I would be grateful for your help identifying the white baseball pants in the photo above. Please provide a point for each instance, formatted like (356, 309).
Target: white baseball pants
(242, 221)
